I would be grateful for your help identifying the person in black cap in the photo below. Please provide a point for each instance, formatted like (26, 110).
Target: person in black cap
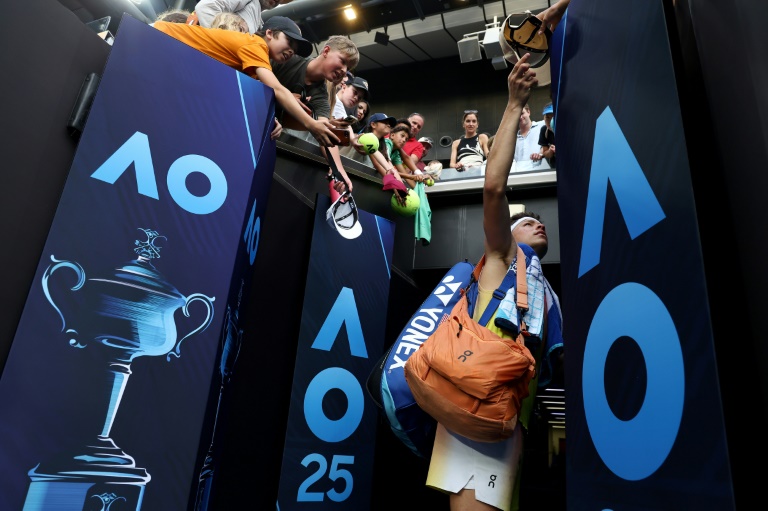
(361, 85)
(345, 80)
(347, 98)
(345, 104)
(277, 24)
(251, 55)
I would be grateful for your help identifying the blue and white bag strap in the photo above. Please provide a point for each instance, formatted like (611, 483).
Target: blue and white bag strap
(501, 292)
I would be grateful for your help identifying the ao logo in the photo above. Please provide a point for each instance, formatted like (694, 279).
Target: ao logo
(136, 151)
(452, 286)
(251, 236)
(636, 448)
(343, 312)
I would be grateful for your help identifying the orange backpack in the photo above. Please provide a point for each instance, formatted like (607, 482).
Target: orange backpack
(468, 378)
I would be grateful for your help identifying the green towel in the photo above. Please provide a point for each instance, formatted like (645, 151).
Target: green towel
(423, 218)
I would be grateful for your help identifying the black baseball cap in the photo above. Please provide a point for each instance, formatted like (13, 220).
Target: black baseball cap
(360, 84)
(292, 30)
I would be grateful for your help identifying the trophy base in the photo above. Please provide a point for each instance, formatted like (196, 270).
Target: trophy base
(102, 479)
(83, 496)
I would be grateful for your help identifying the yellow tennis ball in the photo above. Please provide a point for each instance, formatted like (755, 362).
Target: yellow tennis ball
(429, 181)
(369, 142)
(411, 204)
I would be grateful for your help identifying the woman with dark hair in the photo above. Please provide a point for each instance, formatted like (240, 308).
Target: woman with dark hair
(472, 148)
(361, 112)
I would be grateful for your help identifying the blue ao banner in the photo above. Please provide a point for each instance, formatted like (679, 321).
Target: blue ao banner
(645, 420)
(331, 432)
(104, 399)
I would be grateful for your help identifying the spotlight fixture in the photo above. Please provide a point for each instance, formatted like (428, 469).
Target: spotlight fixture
(381, 38)
(349, 12)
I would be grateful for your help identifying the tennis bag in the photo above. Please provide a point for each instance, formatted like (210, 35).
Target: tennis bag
(469, 379)
(386, 384)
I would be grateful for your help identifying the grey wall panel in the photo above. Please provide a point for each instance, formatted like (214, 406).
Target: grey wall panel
(457, 228)
(47, 54)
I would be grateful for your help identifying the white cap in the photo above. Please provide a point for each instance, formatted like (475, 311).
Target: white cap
(342, 217)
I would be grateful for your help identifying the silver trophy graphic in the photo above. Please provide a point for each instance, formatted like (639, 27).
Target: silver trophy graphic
(128, 313)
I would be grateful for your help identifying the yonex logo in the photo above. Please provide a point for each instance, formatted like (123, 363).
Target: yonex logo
(447, 289)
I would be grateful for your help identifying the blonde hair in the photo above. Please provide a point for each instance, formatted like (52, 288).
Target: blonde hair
(331, 94)
(344, 44)
(230, 21)
(173, 16)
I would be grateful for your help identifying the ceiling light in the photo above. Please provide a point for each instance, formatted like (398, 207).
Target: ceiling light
(349, 12)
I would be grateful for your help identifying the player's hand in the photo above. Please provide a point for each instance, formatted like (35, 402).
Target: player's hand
(520, 81)
(551, 16)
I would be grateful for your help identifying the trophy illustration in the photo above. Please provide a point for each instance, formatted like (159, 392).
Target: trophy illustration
(127, 314)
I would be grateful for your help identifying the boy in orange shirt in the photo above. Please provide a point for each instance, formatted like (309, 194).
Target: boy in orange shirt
(251, 53)
(280, 41)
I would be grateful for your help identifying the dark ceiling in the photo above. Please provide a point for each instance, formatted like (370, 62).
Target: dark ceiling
(324, 18)
(413, 30)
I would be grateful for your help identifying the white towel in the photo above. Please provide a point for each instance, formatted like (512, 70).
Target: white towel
(534, 318)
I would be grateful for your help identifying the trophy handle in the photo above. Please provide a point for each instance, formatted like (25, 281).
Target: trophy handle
(197, 297)
(80, 272)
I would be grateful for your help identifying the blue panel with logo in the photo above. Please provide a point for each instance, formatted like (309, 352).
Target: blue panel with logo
(130, 328)
(645, 420)
(331, 434)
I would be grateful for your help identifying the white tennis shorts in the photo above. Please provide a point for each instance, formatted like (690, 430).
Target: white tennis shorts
(488, 468)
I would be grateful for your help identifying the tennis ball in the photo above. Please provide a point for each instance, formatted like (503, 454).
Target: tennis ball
(369, 142)
(411, 204)
(429, 181)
